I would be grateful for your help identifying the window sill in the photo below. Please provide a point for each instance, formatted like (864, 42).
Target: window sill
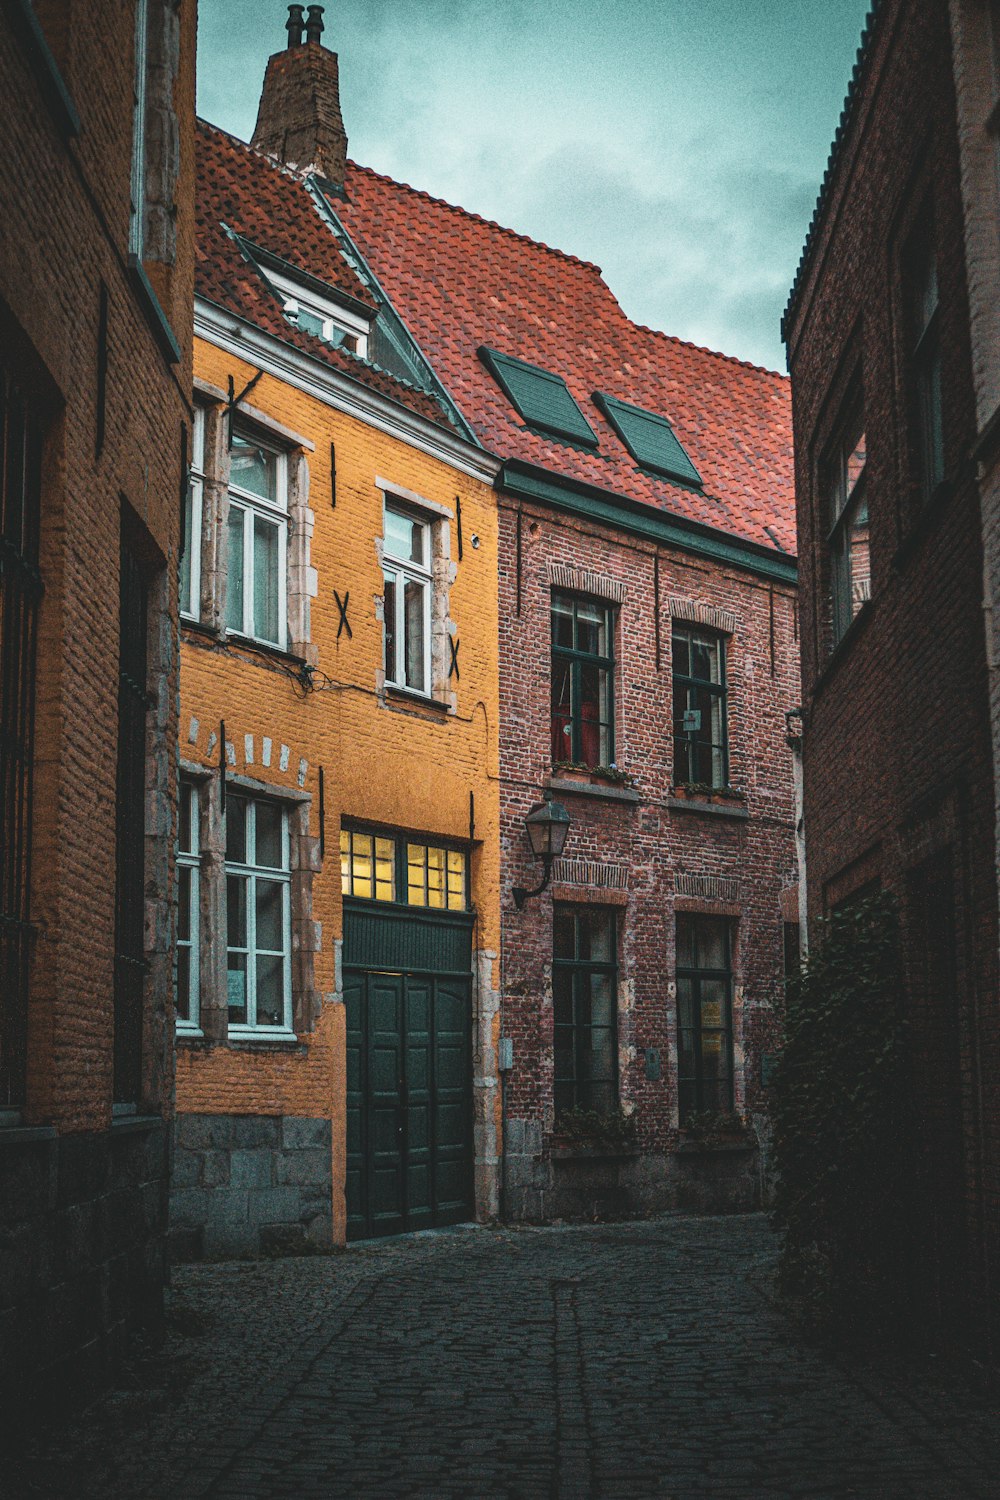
(188, 1033)
(134, 1124)
(408, 698)
(258, 1040)
(153, 312)
(16, 1134)
(594, 1153)
(735, 810)
(50, 81)
(265, 648)
(603, 789)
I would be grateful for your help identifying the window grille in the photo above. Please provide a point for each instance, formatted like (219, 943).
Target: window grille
(924, 350)
(585, 1004)
(190, 579)
(188, 907)
(130, 956)
(582, 681)
(258, 526)
(847, 516)
(407, 574)
(704, 1015)
(258, 915)
(377, 866)
(700, 730)
(20, 593)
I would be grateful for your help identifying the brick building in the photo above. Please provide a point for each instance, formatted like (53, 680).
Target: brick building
(96, 276)
(648, 657)
(338, 877)
(893, 391)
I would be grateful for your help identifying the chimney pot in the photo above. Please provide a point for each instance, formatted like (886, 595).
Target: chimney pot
(294, 25)
(314, 23)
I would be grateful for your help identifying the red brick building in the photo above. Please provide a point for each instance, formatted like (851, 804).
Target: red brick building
(648, 645)
(96, 274)
(898, 758)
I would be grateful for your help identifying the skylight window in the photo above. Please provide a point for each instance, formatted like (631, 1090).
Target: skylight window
(650, 439)
(541, 398)
(306, 309)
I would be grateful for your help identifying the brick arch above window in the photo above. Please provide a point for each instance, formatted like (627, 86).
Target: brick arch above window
(722, 620)
(583, 581)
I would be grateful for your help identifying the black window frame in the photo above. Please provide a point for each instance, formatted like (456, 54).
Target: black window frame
(578, 971)
(845, 508)
(692, 1096)
(577, 660)
(685, 744)
(21, 589)
(401, 840)
(922, 340)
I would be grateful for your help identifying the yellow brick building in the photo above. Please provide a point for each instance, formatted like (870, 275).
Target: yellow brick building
(338, 882)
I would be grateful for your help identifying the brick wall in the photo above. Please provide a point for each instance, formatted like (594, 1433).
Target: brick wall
(75, 1286)
(631, 848)
(898, 779)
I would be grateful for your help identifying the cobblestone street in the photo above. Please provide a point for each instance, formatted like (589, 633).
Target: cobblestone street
(628, 1360)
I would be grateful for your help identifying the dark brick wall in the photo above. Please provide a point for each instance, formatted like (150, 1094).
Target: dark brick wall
(735, 865)
(897, 755)
(82, 1257)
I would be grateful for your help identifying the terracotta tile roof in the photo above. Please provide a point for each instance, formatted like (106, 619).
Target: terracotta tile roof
(246, 193)
(460, 281)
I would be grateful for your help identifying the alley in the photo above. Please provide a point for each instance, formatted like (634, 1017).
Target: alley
(627, 1360)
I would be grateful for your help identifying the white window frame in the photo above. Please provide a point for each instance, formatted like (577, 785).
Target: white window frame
(335, 319)
(190, 608)
(404, 570)
(190, 859)
(276, 512)
(137, 174)
(251, 872)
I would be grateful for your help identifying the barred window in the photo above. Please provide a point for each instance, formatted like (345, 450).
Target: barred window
(585, 1000)
(20, 593)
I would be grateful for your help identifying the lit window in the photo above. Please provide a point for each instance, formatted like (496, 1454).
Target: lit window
(582, 681)
(258, 920)
(700, 754)
(188, 902)
(377, 866)
(190, 583)
(367, 866)
(585, 1006)
(847, 513)
(924, 354)
(704, 1015)
(407, 574)
(258, 523)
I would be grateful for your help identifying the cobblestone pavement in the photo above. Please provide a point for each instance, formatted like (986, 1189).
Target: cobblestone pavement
(567, 1363)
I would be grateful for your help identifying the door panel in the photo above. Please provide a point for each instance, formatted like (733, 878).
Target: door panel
(409, 1114)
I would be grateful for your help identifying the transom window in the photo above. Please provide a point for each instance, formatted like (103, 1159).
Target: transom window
(849, 536)
(582, 681)
(258, 522)
(188, 903)
(704, 1015)
(700, 732)
(924, 351)
(190, 584)
(258, 917)
(381, 867)
(407, 574)
(585, 1004)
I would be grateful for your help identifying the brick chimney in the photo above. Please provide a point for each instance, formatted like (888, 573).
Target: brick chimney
(299, 120)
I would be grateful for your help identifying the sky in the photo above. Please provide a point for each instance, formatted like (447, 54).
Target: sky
(679, 144)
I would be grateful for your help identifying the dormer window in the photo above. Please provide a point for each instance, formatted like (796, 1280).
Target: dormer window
(337, 326)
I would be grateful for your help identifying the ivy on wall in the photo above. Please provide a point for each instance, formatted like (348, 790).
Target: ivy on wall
(841, 1128)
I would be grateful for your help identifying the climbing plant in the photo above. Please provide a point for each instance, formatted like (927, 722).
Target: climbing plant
(841, 1127)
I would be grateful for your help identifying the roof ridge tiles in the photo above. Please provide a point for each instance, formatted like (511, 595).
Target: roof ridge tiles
(468, 213)
(731, 359)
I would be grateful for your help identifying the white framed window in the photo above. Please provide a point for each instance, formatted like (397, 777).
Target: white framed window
(137, 176)
(187, 980)
(190, 583)
(256, 584)
(325, 318)
(258, 917)
(406, 568)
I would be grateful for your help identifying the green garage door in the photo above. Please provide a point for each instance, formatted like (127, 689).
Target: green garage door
(409, 1071)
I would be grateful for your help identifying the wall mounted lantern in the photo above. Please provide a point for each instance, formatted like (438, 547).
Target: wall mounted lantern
(547, 824)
